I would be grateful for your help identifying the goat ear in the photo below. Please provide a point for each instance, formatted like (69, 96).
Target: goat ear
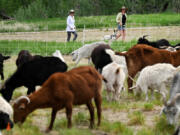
(104, 80)
(22, 106)
(117, 71)
(6, 57)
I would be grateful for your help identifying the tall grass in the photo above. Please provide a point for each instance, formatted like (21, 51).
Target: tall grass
(92, 22)
(47, 48)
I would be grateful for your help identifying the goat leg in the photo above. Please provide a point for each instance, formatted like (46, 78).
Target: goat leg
(98, 101)
(2, 76)
(69, 114)
(53, 116)
(91, 111)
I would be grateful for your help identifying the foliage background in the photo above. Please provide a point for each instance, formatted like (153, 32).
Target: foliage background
(33, 9)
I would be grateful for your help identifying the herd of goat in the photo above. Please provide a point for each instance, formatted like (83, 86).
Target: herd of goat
(157, 65)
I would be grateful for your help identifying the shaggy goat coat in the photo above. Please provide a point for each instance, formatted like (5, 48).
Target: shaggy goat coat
(85, 51)
(63, 90)
(31, 74)
(140, 56)
(114, 77)
(156, 77)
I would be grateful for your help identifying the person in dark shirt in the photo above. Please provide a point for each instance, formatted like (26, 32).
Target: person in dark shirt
(121, 21)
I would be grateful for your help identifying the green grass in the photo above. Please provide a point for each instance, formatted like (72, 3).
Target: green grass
(148, 106)
(47, 48)
(136, 118)
(91, 22)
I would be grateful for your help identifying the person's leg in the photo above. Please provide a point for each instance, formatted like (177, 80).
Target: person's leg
(123, 34)
(75, 35)
(118, 32)
(68, 36)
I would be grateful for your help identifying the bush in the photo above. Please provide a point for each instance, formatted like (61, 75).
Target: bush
(35, 10)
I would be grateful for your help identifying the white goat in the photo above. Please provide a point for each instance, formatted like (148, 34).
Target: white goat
(85, 51)
(58, 54)
(155, 77)
(114, 77)
(118, 59)
(5, 106)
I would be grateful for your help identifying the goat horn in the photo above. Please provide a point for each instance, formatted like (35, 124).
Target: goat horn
(22, 97)
(174, 99)
(133, 87)
(131, 78)
(145, 36)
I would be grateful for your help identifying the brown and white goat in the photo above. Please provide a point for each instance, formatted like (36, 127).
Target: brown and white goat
(63, 90)
(140, 56)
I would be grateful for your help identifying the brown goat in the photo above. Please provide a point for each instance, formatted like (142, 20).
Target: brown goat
(63, 90)
(140, 56)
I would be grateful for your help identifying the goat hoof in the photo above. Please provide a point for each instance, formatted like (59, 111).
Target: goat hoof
(47, 130)
(91, 126)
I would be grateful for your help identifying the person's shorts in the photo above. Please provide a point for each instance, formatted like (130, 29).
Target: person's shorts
(121, 27)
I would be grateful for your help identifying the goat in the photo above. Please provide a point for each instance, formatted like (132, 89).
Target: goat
(140, 56)
(155, 77)
(2, 59)
(114, 77)
(100, 58)
(171, 107)
(31, 74)
(58, 54)
(25, 56)
(85, 51)
(5, 112)
(63, 90)
(156, 44)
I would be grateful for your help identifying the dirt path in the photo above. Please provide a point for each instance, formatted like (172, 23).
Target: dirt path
(169, 32)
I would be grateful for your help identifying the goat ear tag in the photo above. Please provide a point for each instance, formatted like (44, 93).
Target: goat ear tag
(22, 106)
(8, 127)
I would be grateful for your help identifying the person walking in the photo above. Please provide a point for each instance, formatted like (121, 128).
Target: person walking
(121, 21)
(71, 28)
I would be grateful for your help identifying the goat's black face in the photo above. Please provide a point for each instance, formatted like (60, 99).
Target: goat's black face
(4, 120)
(142, 41)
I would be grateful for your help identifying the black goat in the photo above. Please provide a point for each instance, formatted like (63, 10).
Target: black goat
(2, 58)
(31, 74)
(25, 56)
(157, 44)
(100, 58)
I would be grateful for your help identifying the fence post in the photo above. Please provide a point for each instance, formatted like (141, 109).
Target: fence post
(83, 39)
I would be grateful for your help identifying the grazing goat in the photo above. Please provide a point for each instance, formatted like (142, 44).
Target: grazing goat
(58, 54)
(114, 77)
(156, 44)
(100, 58)
(85, 51)
(63, 90)
(5, 112)
(171, 108)
(2, 59)
(31, 74)
(140, 56)
(155, 77)
(25, 56)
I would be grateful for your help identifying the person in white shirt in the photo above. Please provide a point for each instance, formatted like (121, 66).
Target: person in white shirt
(71, 28)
